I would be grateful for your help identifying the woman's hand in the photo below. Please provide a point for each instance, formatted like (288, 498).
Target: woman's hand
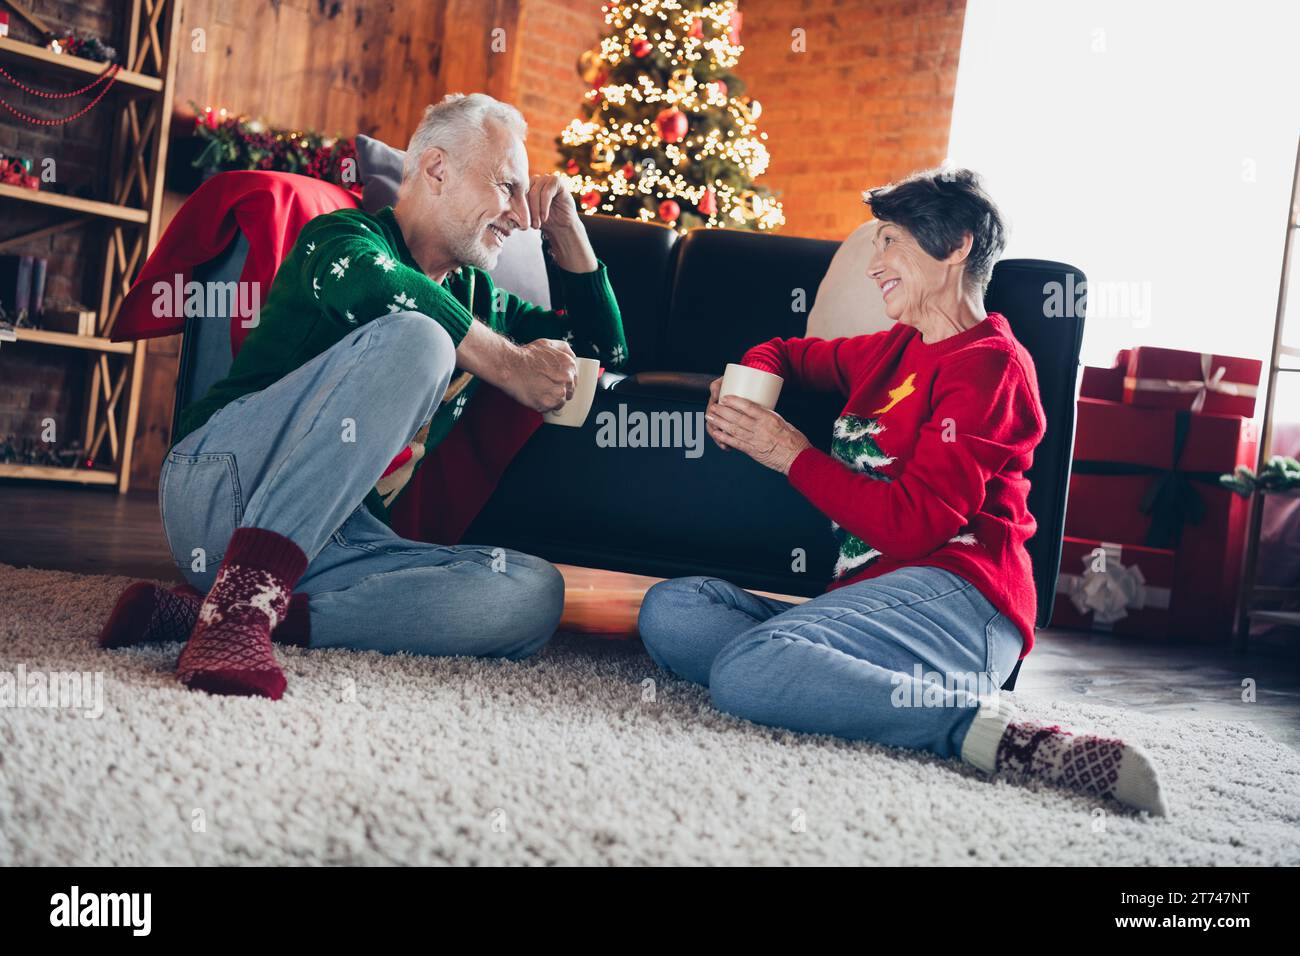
(714, 387)
(763, 435)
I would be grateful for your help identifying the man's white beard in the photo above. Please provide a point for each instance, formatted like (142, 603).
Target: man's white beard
(468, 249)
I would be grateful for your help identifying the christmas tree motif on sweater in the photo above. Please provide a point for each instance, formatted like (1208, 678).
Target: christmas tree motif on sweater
(854, 443)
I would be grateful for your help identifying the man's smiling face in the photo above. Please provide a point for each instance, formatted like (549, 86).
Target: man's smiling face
(486, 199)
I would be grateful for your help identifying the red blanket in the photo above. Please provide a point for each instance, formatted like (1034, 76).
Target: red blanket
(448, 489)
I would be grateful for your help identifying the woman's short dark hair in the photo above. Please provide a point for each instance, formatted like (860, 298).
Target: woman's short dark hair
(939, 207)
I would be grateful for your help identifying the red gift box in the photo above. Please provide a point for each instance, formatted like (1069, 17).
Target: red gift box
(1196, 381)
(1123, 588)
(1124, 487)
(1105, 383)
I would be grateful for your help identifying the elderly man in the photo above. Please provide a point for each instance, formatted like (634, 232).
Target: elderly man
(374, 336)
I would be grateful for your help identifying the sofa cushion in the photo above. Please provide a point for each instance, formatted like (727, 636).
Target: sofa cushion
(848, 302)
(734, 289)
(521, 267)
(639, 257)
(658, 510)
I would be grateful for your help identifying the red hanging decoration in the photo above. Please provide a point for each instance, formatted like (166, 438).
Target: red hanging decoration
(109, 75)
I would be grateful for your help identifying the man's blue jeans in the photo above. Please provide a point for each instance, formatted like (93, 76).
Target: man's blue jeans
(298, 458)
(845, 663)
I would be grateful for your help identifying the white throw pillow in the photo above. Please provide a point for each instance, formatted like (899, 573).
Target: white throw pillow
(848, 303)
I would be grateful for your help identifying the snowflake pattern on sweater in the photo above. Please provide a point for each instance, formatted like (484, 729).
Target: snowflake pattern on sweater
(365, 271)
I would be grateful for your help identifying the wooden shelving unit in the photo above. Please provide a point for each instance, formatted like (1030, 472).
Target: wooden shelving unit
(90, 207)
(17, 51)
(1253, 594)
(141, 99)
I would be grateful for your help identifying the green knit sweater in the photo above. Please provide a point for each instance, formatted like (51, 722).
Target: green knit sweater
(348, 268)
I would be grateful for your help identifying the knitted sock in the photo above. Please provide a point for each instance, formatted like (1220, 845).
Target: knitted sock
(1099, 766)
(146, 613)
(230, 649)
(149, 614)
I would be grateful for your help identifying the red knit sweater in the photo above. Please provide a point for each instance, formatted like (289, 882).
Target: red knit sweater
(928, 457)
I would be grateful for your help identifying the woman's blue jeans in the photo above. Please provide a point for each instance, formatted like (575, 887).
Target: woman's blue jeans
(903, 659)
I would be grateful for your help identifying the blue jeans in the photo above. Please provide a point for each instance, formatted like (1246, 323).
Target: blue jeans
(299, 457)
(902, 659)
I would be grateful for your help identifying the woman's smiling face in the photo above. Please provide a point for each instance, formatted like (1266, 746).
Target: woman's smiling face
(906, 274)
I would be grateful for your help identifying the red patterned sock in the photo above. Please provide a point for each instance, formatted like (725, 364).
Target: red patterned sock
(230, 649)
(1100, 766)
(146, 613)
(149, 614)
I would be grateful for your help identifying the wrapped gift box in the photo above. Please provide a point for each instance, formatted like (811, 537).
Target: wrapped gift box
(1125, 487)
(1105, 383)
(1196, 381)
(1122, 588)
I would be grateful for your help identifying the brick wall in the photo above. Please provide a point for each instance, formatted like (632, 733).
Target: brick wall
(870, 100)
(552, 34)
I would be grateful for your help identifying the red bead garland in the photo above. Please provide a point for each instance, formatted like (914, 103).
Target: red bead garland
(109, 74)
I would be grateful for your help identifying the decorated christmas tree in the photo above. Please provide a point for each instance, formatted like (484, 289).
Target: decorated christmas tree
(667, 133)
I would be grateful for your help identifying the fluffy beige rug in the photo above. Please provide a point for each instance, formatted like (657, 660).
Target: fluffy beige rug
(585, 755)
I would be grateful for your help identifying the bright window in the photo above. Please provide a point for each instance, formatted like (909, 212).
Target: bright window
(1151, 144)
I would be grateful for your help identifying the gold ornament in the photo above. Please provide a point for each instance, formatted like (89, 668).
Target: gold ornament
(602, 158)
(751, 204)
(682, 81)
(589, 65)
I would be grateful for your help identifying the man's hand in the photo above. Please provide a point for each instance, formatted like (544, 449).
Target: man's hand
(551, 209)
(763, 435)
(541, 375)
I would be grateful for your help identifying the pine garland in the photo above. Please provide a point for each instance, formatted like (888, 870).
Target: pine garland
(1282, 473)
(237, 142)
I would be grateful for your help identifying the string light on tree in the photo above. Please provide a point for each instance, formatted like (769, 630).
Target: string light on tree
(666, 133)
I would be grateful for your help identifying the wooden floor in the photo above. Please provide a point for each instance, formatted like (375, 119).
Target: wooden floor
(96, 531)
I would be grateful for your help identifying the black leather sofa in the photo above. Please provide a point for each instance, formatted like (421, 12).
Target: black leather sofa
(690, 305)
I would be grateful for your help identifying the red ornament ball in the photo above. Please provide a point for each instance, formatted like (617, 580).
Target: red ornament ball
(629, 171)
(590, 199)
(669, 211)
(708, 203)
(641, 47)
(571, 167)
(671, 124)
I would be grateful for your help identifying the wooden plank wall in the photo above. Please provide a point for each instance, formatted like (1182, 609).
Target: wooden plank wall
(344, 66)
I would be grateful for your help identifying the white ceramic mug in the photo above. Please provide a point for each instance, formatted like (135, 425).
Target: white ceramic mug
(575, 410)
(762, 388)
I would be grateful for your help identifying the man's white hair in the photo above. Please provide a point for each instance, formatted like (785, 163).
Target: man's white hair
(459, 125)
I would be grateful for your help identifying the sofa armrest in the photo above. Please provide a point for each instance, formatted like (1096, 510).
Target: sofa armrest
(678, 386)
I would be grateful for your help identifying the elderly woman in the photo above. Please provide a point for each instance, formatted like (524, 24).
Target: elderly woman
(933, 600)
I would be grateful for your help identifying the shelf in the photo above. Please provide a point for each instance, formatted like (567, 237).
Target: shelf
(81, 476)
(12, 50)
(68, 340)
(92, 207)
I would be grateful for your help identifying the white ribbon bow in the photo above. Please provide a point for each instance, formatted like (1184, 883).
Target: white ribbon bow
(1211, 381)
